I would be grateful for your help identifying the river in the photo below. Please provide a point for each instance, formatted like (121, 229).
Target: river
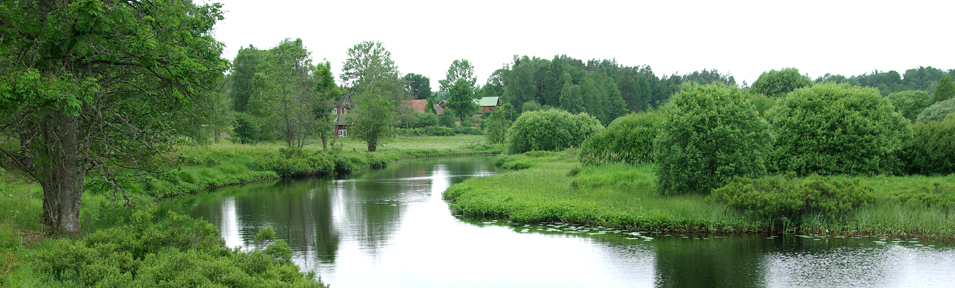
(390, 228)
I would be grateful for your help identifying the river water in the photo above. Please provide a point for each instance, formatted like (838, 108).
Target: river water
(390, 228)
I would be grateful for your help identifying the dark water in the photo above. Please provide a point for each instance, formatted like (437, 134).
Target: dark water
(390, 228)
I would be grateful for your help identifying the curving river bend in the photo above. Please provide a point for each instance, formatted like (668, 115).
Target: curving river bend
(390, 228)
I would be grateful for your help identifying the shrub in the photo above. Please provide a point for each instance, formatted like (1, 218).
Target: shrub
(172, 252)
(932, 149)
(343, 165)
(467, 130)
(425, 120)
(550, 130)
(446, 119)
(294, 162)
(246, 129)
(937, 111)
(708, 135)
(628, 139)
(837, 129)
(910, 103)
(938, 195)
(780, 197)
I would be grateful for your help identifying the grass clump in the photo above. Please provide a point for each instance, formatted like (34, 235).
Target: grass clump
(786, 198)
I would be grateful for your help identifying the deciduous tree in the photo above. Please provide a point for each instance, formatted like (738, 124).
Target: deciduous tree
(85, 85)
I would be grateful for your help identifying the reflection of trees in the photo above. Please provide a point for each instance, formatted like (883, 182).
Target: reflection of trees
(709, 263)
(314, 214)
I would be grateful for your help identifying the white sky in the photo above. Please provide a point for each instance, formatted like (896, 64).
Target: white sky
(743, 38)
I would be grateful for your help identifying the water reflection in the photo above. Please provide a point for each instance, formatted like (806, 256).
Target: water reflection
(390, 228)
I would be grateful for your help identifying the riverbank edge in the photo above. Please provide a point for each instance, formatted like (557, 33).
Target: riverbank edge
(475, 198)
(32, 241)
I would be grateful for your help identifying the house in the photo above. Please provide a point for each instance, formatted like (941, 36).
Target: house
(416, 105)
(439, 108)
(343, 123)
(487, 103)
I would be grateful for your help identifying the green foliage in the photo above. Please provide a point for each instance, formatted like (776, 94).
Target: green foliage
(175, 251)
(708, 135)
(910, 103)
(530, 106)
(246, 129)
(460, 69)
(461, 102)
(264, 234)
(446, 120)
(425, 120)
(497, 124)
(788, 199)
(428, 131)
(295, 162)
(945, 89)
(372, 118)
(837, 129)
(938, 196)
(419, 86)
(551, 130)
(778, 83)
(628, 139)
(937, 111)
(932, 149)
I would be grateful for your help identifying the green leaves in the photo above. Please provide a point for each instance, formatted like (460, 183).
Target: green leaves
(837, 129)
(550, 130)
(778, 83)
(708, 135)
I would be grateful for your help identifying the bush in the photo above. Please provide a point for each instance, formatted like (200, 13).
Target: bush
(910, 103)
(172, 252)
(425, 120)
(628, 139)
(246, 129)
(709, 135)
(551, 130)
(932, 149)
(467, 130)
(294, 162)
(937, 111)
(343, 165)
(780, 197)
(938, 195)
(446, 119)
(837, 129)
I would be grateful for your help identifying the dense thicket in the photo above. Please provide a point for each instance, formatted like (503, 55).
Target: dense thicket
(937, 111)
(628, 139)
(174, 251)
(837, 129)
(708, 135)
(932, 149)
(785, 199)
(550, 130)
(910, 103)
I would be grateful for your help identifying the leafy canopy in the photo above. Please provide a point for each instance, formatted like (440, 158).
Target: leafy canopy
(837, 129)
(709, 135)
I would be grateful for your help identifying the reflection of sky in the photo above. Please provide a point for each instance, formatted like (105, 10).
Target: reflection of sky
(883, 266)
(229, 228)
(407, 237)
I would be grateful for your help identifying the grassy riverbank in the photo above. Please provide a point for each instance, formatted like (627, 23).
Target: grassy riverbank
(201, 168)
(554, 187)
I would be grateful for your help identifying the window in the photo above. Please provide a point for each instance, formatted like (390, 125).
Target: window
(342, 133)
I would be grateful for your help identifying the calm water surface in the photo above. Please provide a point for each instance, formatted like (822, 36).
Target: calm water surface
(390, 228)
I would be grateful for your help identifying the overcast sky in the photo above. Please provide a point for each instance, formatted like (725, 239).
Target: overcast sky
(744, 38)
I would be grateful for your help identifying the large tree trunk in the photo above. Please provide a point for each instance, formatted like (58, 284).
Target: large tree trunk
(61, 170)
